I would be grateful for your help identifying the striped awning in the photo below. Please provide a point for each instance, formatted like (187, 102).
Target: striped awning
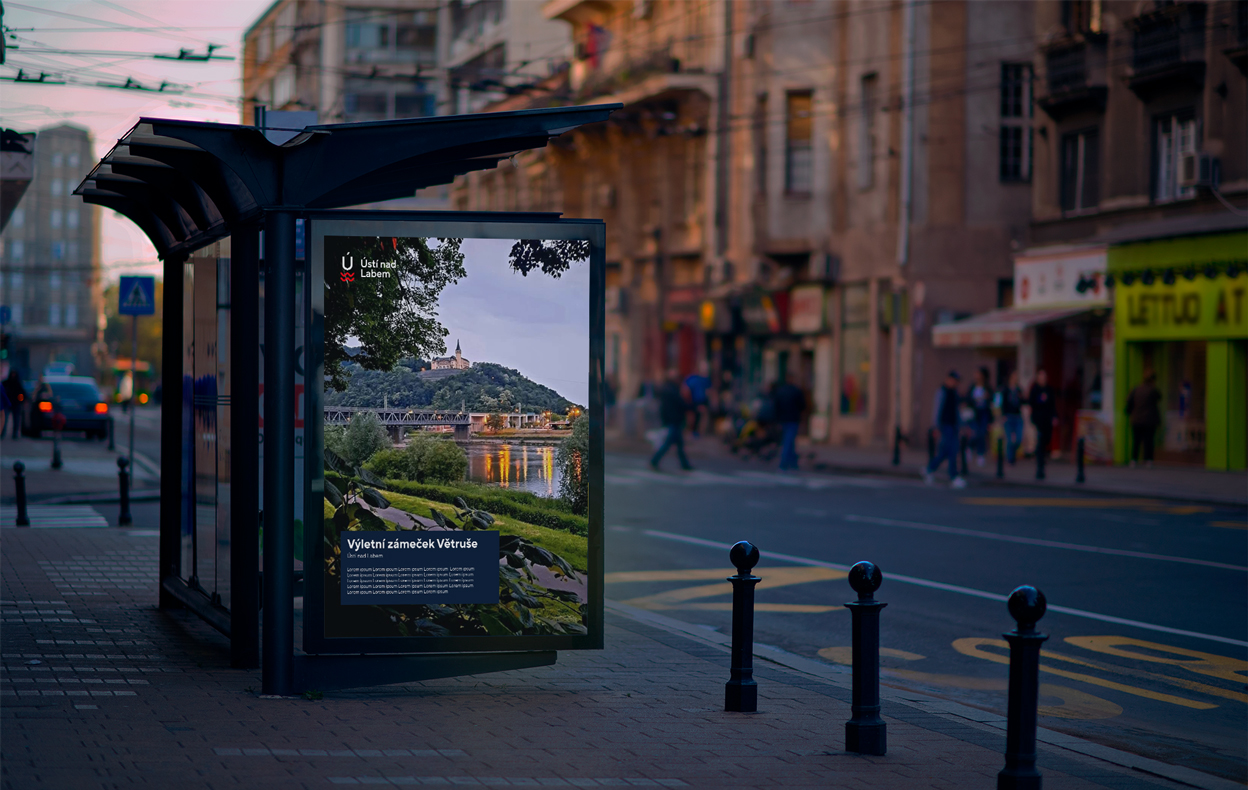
(1002, 327)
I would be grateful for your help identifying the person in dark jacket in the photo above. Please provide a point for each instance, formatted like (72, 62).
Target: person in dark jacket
(945, 418)
(16, 396)
(674, 404)
(1010, 401)
(1043, 416)
(790, 403)
(1144, 413)
(979, 398)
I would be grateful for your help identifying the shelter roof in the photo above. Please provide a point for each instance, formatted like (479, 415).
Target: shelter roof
(186, 183)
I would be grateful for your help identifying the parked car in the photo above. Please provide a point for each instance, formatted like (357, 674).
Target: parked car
(78, 398)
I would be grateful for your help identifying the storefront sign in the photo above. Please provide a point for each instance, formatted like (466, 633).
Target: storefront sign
(806, 309)
(1199, 308)
(761, 314)
(1043, 279)
(519, 306)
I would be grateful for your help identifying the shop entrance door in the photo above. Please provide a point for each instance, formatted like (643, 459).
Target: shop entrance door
(1181, 375)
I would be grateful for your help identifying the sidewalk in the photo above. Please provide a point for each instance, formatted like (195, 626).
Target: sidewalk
(1184, 484)
(102, 690)
(89, 471)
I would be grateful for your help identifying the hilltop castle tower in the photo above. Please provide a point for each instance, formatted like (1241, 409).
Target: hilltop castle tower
(457, 362)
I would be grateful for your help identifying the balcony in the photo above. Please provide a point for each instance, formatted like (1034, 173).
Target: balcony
(1075, 70)
(1168, 50)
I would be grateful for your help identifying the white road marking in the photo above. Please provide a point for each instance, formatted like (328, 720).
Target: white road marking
(1052, 544)
(1105, 618)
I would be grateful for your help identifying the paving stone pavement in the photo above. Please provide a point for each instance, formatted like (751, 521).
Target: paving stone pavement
(102, 690)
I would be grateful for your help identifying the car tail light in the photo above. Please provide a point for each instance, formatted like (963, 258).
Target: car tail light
(45, 405)
(101, 408)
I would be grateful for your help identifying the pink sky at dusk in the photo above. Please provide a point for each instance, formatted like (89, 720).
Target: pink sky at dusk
(134, 30)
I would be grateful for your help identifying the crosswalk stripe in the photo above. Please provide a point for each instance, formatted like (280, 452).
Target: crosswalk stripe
(55, 516)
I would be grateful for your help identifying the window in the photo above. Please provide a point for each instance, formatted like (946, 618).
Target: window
(56, 187)
(71, 218)
(264, 43)
(1175, 135)
(15, 312)
(760, 143)
(868, 101)
(54, 219)
(797, 148)
(414, 105)
(54, 314)
(15, 280)
(56, 159)
(1015, 134)
(1081, 16)
(855, 348)
(72, 160)
(1080, 170)
(54, 280)
(73, 250)
(71, 314)
(284, 87)
(18, 217)
(17, 248)
(58, 251)
(384, 35)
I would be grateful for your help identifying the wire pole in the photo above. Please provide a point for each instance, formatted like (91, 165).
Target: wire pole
(134, 355)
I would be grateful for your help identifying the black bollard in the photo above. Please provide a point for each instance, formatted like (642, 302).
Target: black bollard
(897, 446)
(56, 450)
(865, 732)
(1026, 606)
(1000, 458)
(19, 486)
(1041, 453)
(123, 481)
(741, 692)
(1079, 478)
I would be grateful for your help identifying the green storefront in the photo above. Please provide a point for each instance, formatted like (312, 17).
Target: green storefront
(1181, 311)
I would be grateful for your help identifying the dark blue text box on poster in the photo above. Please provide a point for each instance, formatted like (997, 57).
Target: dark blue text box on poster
(398, 568)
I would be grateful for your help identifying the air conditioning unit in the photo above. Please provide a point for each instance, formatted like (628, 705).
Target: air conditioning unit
(1199, 170)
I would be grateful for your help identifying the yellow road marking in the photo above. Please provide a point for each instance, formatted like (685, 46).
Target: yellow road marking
(844, 654)
(1076, 704)
(971, 647)
(772, 578)
(1229, 524)
(1222, 667)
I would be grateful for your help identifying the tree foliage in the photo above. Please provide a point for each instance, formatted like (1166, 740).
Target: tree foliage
(482, 388)
(573, 457)
(551, 257)
(425, 459)
(363, 437)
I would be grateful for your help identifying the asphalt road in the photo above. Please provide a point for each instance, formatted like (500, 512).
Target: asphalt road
(1148, 600)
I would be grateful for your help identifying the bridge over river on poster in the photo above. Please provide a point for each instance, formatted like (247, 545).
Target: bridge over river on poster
(396, 420)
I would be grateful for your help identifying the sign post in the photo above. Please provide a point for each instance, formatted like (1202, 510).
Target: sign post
(136, 296)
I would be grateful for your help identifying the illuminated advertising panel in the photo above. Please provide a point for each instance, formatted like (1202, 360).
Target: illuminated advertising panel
(460, 490)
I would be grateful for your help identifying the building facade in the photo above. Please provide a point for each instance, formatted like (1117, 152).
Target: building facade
(51, 261)
(498, 48)
(792, 190)
(453, 362)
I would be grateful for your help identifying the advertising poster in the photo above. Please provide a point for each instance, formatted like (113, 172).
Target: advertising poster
(460, 508)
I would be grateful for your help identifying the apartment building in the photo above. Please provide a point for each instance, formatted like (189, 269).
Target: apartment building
(499, 48)
(50, 261)
(782, 176)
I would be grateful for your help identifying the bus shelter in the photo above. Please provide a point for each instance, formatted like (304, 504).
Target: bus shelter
(243, 227)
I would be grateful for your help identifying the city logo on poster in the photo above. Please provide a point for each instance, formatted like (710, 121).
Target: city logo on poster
(368, 268)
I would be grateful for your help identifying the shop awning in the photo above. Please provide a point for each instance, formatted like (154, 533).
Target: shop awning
(1003, 327)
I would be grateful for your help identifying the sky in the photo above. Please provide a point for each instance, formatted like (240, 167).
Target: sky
(122, 37)
(537, 324)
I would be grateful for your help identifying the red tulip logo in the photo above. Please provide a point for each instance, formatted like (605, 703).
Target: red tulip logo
(347, 276)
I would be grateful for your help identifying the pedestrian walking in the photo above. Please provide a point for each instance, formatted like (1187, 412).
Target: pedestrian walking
(945, 418)
(674, 403)
(15, 393)
(1144, 414)
(790, 404)
(1010, 402)
(699, 402)
(1043, 416)
(979, 398)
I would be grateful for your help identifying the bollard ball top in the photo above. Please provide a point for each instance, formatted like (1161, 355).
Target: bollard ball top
(744, 556)
(122, 462)
(865, 578)
(1027, 606)
(19, 467)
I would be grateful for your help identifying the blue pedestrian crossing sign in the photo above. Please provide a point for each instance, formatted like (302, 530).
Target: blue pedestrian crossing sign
(137, 296)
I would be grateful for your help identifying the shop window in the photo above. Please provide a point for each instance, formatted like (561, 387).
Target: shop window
(1015, 134)
(868, 99)
(1174, 135)
(855, 349)
(797, 144)
(1080, 170)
